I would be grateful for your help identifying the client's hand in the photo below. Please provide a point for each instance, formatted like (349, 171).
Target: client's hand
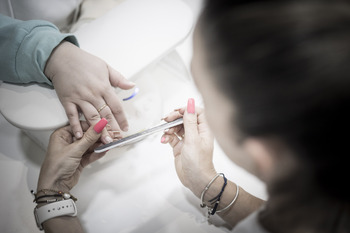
(66, 158)
(192, 145)
(86, 83)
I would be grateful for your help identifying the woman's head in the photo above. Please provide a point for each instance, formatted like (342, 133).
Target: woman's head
(282, 71)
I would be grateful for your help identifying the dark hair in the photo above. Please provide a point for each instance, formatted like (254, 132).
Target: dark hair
(286, 67)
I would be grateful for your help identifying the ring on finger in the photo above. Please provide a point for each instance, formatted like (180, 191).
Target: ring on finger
(102, 107)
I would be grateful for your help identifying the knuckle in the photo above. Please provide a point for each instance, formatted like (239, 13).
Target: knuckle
(109, 116)
(71, 116)
(192, 120)
(118, 111)
(94, 117)
(90, 139)
(55, 134)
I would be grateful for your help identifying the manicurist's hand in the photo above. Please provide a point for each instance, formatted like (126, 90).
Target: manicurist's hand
(85, 83)
(66, 158)
(192, 145)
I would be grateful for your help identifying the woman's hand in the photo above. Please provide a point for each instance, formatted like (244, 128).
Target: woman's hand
(66, 158)
(86, 83)
(192, 145)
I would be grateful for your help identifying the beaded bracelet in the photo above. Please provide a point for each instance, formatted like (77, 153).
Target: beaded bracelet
(61, 194)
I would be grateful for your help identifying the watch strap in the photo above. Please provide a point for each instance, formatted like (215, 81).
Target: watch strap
(56, 209)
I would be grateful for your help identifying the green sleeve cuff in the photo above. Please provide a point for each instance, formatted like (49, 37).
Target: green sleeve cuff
(34, 51)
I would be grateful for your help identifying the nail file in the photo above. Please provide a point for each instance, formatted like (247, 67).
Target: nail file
(137, 136)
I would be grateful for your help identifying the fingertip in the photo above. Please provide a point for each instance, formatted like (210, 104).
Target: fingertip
(125, 128)
(129, 83)
(78, 135)
(108, 139)
(164, 139)
(118, 80)
(77, 130)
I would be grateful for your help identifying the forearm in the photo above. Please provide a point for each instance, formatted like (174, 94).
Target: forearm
(244, 205)
(50, 188)
(61, 224)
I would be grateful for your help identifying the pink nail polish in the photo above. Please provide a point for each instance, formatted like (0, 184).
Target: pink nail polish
(191, 106)
(162, 140)
(100, 125)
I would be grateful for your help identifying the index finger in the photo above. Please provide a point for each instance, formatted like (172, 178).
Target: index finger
(116, 107)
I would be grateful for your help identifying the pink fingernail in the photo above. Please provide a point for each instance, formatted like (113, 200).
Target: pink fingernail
(162, 140)
(100, 125)
(191, 106)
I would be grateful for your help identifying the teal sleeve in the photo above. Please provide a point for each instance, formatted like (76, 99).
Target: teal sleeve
(25, 47)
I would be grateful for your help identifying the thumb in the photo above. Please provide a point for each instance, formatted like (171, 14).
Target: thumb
(91, 135)
(118, 80)
(190, 121)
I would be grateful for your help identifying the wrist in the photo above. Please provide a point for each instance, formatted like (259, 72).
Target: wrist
(56, 210)
(53, 189)
(48, 196)
(56, 58)
(212, 189)
(199, 185)
(50, 180)
(53, 186)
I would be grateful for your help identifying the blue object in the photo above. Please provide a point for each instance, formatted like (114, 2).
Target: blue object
(136, 90)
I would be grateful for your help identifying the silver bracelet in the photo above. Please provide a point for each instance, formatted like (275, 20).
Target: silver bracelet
(206, 188)
(232, 202)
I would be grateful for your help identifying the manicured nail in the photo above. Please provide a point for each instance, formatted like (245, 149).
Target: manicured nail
(100, 125)
(191, 106)
(108, 139)
(78, 135)
(116, 134)
(125, 129)
(162, 140)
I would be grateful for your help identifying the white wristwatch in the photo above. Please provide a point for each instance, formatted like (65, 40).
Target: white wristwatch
(52, 210)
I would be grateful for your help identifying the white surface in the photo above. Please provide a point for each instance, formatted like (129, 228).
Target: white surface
(129, 37)
(136, 32)
(132, 189)
(31, 107)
